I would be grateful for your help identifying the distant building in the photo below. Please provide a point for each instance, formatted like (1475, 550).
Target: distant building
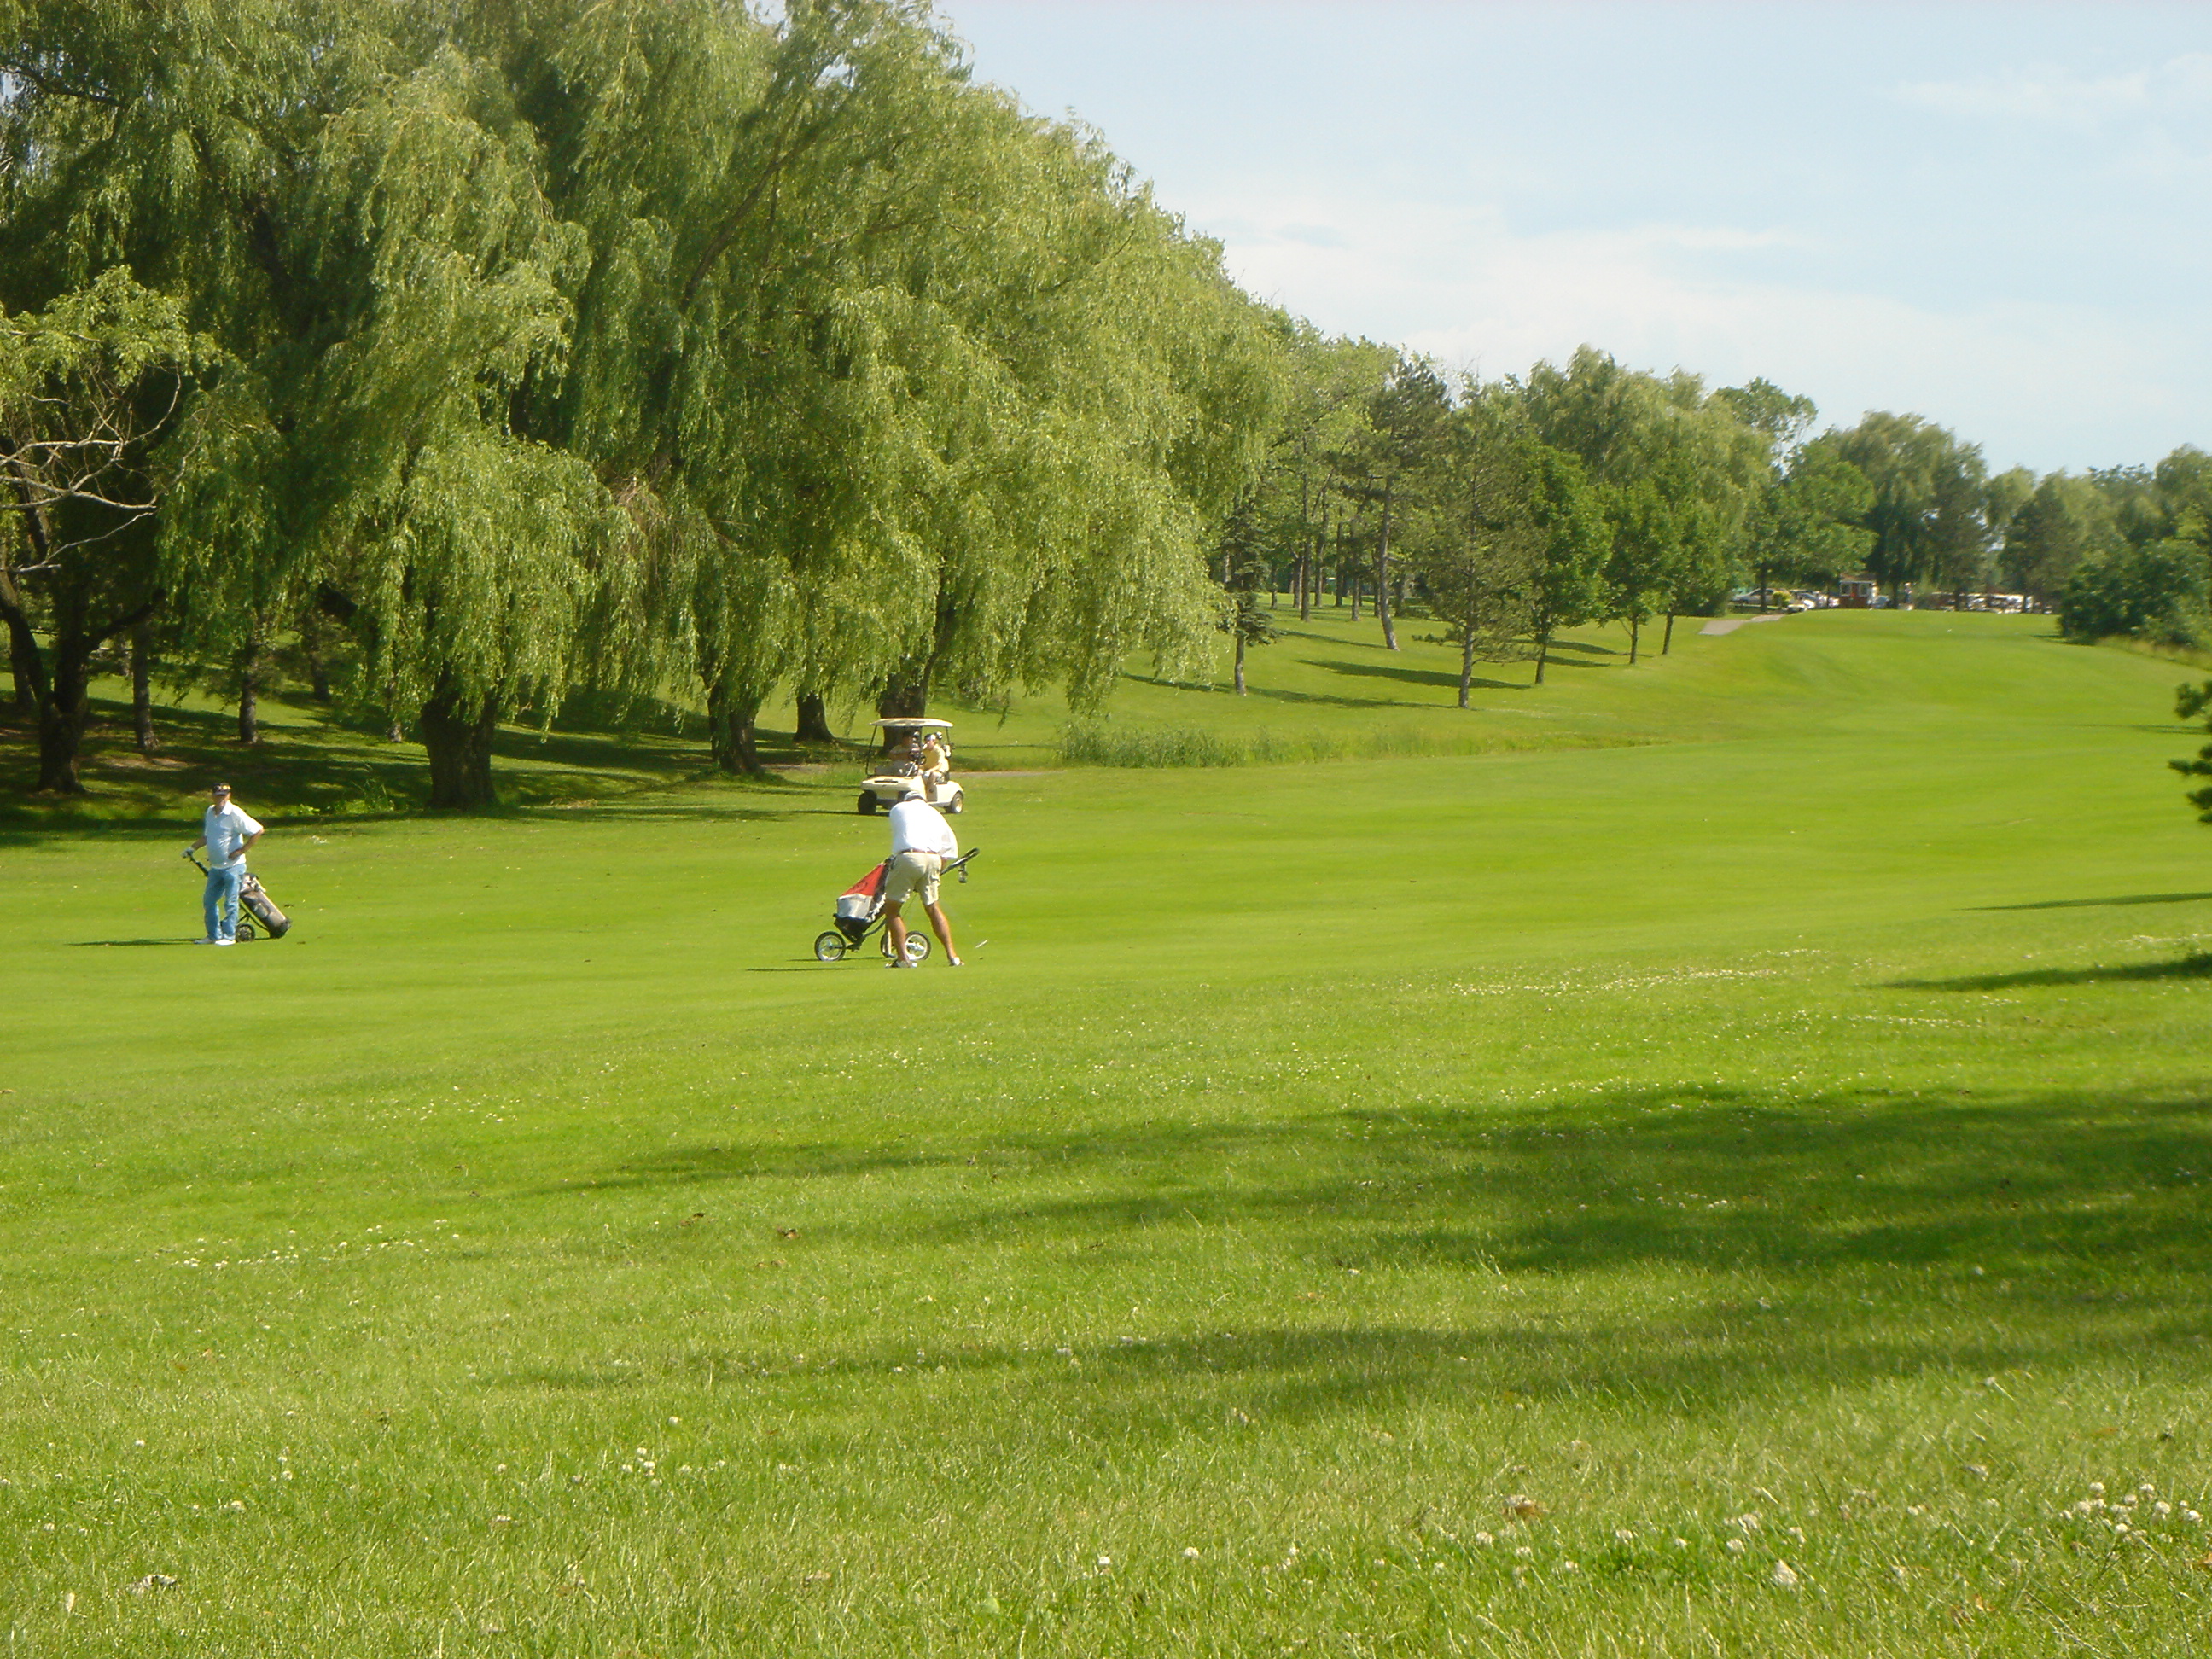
(1857, 592)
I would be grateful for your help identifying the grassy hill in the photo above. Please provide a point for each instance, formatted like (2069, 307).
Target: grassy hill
(1758, 1122)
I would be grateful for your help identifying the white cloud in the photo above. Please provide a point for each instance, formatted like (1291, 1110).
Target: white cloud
(2062, 96)
(2022, 378)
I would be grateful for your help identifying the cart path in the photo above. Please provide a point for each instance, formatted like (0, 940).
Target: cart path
(1729, 624)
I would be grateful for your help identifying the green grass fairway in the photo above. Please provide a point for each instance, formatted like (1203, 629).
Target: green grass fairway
(1759, 1130)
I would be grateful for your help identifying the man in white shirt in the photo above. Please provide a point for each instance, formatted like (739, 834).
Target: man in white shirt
(226, 832)
(921, 840)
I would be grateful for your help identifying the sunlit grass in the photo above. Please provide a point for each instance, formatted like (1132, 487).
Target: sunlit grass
(1792, 1145)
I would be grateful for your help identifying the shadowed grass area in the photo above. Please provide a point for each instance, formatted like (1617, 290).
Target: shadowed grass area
(2131, 898)
(2198, 965)
(1760, 1144)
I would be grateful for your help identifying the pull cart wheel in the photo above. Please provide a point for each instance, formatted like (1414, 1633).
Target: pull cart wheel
(246, 934)
(829, 947)
(917, 947)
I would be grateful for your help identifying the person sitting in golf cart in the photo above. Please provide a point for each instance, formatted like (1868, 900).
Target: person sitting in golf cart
(916, 750)
(936, 763)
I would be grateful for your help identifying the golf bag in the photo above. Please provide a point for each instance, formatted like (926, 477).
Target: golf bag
(253, 901)
(255, 897)
(860, 904)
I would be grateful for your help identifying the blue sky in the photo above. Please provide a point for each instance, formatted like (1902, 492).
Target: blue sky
(1992, 214)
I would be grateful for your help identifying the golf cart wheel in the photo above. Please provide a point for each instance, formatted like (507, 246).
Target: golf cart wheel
(246, 934)
(867, 802)
(955, 804)
(829, 947)
(917, 947)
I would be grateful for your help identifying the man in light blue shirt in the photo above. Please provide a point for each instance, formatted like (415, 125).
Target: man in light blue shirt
(226, 832)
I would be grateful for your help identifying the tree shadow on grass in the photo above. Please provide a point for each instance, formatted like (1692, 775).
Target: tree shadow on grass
(2198, 965)
(2098, 903)
(1890, 1234)
(1431, 677)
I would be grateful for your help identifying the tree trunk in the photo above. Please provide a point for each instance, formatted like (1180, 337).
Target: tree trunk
(814, 718)
(1667, 643)
(731, 712)
(1357, 586)
(61, 719)
(318, 670)
(249, 694)
(142, 688)
(1635, 628)
(457, 734)
(905, 695)
(24, 662)
(1309, 564)
(1543, 652)
(60, 696)
(1240, 662)
(1383, 578)
(1466, 663)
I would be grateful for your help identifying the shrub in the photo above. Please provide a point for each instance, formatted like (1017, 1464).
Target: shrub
(2154, 592)
(1169, 745)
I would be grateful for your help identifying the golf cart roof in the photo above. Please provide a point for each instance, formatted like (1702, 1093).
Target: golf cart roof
(903, 723)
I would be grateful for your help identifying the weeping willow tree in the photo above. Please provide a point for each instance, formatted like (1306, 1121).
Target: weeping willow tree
(139, 149)
(650, 345)
(1115, 396)
(344, 198)
(916, 385)
(367, 456)
(90, 386)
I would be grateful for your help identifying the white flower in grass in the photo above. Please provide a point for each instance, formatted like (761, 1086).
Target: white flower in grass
(2163, 1507)
(1784, 1576)
(1105, 1562)
(1681, 1543)
(1735, 1546)
(1525, 1553)
(1191, 1554)
(2096, 1489)
(1623, 1534)
(1485, 1538)
(2192, 1517)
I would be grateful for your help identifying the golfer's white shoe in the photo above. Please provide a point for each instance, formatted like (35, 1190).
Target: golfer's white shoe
(225, 941)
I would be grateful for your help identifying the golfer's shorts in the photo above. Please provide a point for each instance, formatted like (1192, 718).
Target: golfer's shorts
(909, 870)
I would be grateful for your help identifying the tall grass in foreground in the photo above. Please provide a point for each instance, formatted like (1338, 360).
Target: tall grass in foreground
(1097, 744)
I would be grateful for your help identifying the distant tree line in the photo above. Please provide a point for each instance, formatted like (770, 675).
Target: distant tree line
(457, 360)
(1593, 492)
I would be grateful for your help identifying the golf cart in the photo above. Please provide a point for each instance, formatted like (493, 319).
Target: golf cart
(905, 745)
